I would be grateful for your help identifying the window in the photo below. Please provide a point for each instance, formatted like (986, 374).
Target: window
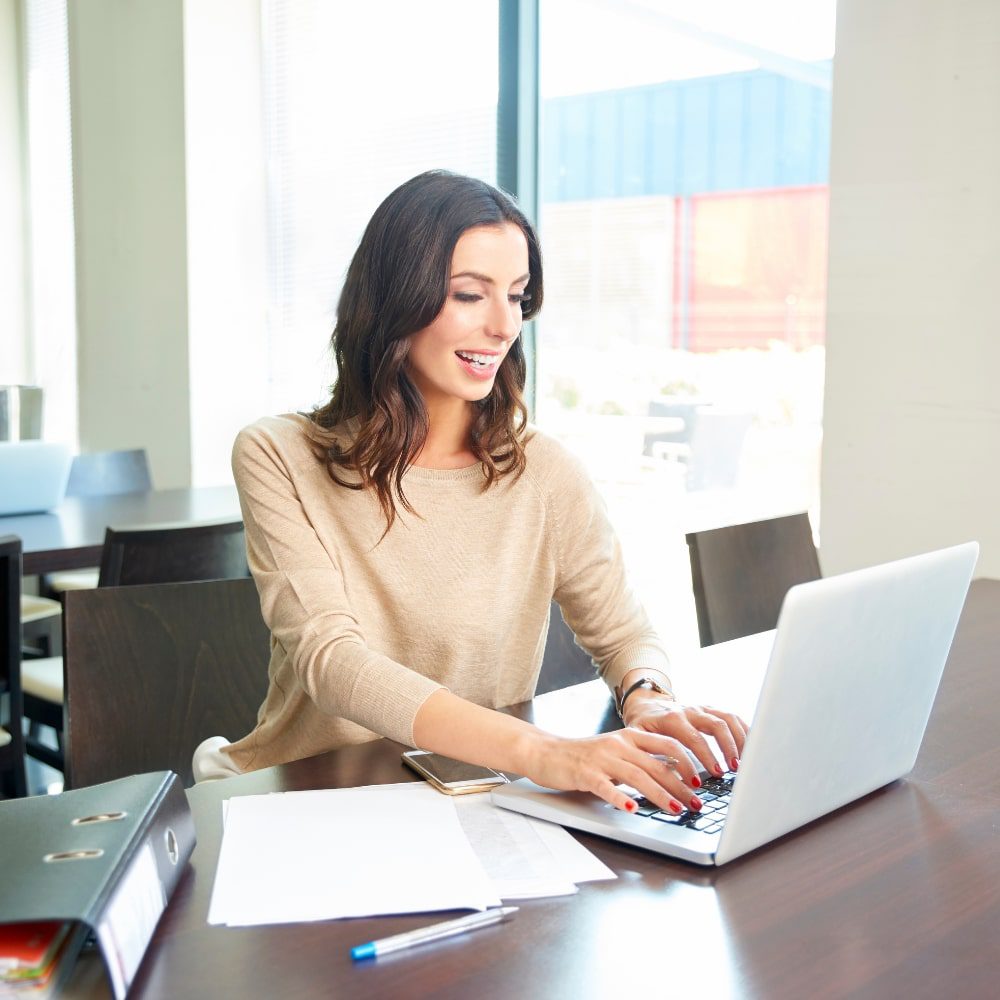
(353, 107)
(51, 265)
(683, 212)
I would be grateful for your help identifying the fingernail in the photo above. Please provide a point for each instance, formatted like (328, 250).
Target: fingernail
(735, 763)
(675, 807)
(695, 803)
(630, 805)
(717, 770)
(696, 782)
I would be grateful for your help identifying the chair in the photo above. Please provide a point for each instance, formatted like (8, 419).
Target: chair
(741, 574)
(132, 558)
(151, 671)
(710, 448)
(179, 554)
(564, 663)
(103, 473)
(106, 473)
(12, 777)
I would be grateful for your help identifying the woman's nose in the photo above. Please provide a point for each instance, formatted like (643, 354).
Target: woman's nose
(505, 320)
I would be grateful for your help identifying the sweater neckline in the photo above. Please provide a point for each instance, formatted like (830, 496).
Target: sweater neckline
(418, 472)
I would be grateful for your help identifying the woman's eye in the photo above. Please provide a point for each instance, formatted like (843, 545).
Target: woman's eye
(467, 296)
(521, 298)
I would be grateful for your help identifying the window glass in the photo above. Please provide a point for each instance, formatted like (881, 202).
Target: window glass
(354, 107)
(683, 212)
(49, 163)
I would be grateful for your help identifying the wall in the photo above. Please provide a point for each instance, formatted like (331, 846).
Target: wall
(912, 411)
(127, 98)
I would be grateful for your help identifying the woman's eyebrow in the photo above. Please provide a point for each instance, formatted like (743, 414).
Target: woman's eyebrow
(486, 278)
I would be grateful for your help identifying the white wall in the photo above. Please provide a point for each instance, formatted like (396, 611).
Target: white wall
(127, 98)
(171, 229)
(14, 360)
(911, 456)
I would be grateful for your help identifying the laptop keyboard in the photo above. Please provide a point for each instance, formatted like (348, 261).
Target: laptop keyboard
(714, 794)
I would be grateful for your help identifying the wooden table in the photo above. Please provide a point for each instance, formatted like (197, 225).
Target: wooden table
(71, 536)
(897, 895)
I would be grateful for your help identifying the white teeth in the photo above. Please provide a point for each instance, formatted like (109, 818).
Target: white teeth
(479, 359)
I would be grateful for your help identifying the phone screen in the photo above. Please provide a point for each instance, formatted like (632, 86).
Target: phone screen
(447, 770)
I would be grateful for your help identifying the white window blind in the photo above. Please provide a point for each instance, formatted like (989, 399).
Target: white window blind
(358, 98)
(52, 282)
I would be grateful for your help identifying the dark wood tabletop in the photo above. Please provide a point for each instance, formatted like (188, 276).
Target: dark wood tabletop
(897, 895)
(71, 536)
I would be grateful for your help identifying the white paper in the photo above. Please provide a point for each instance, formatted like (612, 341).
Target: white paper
(574, 860)
(318, 855)
(514, 856)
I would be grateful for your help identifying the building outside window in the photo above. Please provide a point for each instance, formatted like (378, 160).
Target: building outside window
(683, 212)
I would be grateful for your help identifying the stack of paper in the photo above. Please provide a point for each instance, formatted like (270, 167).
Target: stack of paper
(318, 855)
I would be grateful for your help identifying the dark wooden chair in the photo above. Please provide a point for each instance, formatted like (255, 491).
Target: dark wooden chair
(564, 663)
(180, 554)
(151, 671)
(12, 777)
(132, 558)
(741, 574)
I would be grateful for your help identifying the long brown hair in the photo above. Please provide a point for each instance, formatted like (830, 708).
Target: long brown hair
(396, 285)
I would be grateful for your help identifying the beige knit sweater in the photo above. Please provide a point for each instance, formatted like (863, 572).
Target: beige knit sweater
(363, 631)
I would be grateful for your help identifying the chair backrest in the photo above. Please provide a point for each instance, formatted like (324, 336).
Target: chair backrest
(564, 663)
(12, 752)
(741, 574)
(152, 671)
(104, 473)
(178, 554)
(716, 449)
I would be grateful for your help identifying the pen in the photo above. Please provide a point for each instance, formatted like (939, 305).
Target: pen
(434, 932)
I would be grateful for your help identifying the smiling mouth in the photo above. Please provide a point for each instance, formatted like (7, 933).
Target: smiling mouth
(479, 360)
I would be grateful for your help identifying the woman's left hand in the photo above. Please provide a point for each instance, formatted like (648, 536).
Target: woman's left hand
(693, 726)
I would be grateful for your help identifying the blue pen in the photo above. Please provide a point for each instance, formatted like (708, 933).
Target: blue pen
(434, 932)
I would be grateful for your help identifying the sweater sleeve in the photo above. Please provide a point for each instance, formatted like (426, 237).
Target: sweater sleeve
(591, 585)
(304, 602)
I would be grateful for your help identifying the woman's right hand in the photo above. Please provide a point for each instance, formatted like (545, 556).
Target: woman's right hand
(599, 764)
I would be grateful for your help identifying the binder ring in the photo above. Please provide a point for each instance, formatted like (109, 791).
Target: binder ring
(98, 818)
(84, 854)
(173, 852)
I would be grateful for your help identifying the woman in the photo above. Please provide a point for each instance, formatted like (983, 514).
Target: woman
(408, 537)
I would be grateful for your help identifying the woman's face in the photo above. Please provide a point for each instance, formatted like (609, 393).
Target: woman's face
(458, 355)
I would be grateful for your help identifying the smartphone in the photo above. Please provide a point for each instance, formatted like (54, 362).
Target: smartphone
(453, 777)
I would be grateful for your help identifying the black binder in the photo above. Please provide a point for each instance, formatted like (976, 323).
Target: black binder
(109, 856)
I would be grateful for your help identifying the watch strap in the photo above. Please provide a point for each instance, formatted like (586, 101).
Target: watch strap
(647, 683)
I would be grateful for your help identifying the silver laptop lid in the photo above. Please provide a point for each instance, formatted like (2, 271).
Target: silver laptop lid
(855, 666)
(851, 678)
(33, 476)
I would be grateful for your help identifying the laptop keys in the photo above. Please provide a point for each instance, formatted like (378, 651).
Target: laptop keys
(714, 795)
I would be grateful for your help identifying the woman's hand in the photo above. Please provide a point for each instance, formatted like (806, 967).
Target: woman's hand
(599, 763)
(691, 725)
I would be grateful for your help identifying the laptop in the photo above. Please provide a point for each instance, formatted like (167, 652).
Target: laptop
(33, 476)
(850, 681)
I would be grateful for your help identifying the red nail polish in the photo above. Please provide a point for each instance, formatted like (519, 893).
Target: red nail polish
(630, 805)
(717, 770)
(735, 763)
(696, 782)
(675, 807)
(695, 803)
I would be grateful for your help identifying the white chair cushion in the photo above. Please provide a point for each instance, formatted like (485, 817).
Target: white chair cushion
(43, 678)
(34, 608)
(72, 579)
(4, 737)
